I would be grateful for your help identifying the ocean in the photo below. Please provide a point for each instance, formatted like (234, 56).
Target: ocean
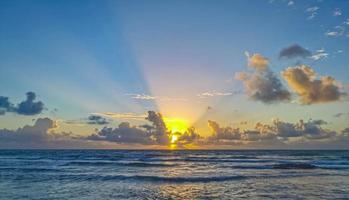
(179, 174)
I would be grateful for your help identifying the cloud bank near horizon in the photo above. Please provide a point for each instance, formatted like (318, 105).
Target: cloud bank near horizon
(277, 134)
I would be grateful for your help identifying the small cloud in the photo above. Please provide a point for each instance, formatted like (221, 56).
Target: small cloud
(123, 116)
(337, 12)
(257, 61)
(150, 98)
(294, 51)
(336, 32)
(96, 119)
(214, 94)
(346, 22)
(312, 11)
(141, 96)
(290, 3)
(339, 51)
(26, 107)
(319, 55)
(29, 107)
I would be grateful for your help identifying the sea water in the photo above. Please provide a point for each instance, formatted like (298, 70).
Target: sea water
(182, 174)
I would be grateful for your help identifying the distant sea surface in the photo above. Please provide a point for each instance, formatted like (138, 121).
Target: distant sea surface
(128, 174)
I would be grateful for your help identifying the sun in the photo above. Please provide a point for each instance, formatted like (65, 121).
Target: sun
(176, 126)
(174, 138)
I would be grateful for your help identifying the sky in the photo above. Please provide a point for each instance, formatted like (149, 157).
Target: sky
(174, 74)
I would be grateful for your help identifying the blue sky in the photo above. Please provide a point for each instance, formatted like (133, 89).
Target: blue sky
(174, 57)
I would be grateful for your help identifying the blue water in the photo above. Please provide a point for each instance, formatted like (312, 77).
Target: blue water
(122, 174)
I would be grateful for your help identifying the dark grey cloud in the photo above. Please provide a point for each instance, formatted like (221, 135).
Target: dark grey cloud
(223, 133)
(6, 105)
(189, 136)
(278, 131)
(311, 129)
(29, 107)
(28, 136)
(263, 86)
(96, 119)
(155, 133)
(124, 133)
(42, 135)
(294, 51)
(26, 107)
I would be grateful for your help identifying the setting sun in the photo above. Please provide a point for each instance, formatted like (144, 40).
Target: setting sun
(174, 138)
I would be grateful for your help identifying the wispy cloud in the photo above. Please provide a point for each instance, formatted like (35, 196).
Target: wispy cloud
(128, 116)
(319, 55)
(141, 96)
(312, 11)
(147, 97)
(214, 94)
(290, 3)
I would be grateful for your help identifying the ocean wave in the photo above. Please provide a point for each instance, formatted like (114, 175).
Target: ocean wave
(19, 169)
(128, 164)
(294, 166)
(162, 179)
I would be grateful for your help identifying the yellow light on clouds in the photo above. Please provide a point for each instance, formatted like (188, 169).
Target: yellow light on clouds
(176, 124)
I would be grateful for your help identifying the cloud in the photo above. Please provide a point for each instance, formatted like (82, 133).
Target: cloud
(319, 55)
(263, 86)
(290, 3)
(303, 81)
(337, 12)
(142, 96)
(151, 98)
(257, 61)
(42, 135)
(310, 130)
(124, 133)
(312, 11)
(223, 133)
(26, 107)
(189, 136)
(29, 107)
(96, 119)
(28, 136)
(294, 51)
(278, 132)
(124, 116)
(336, 31)
(214, 94)
(5, 105)
(156, 133)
